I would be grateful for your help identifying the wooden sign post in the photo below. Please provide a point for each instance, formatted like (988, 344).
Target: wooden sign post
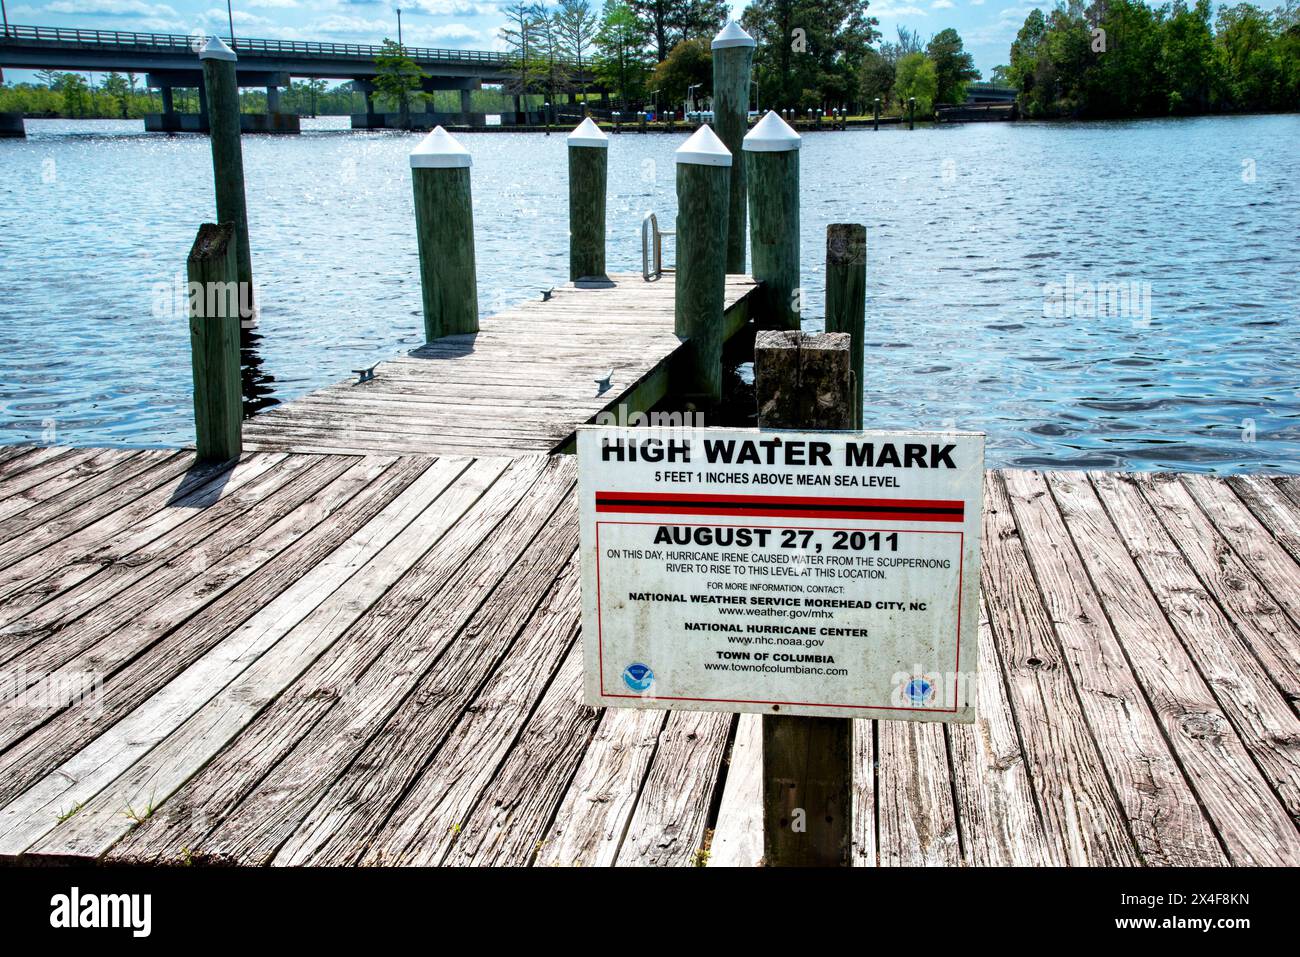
(803, 382)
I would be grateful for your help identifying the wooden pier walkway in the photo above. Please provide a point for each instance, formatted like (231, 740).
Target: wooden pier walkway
(341, 658)
(523, 383)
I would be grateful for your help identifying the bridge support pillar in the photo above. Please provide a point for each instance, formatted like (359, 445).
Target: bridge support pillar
(465, 106)
(203, 98)
(11, 126)
(273, 99)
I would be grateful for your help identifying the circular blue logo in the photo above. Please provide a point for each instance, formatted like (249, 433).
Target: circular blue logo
(919, 690)
(638, 677)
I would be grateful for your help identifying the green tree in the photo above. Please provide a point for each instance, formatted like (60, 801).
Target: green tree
(578, 25)
(1187, 57)
(669, 22)
(553, 68)
(689, 64)
(954, 68)
(520, 35)
(877, 78)
(399, 78)
(917, 78)
(620, 60)
(1249, 74)
(115, 86)
(810, 52)
(75, 94)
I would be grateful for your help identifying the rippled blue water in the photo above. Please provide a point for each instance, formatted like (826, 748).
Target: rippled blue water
(967, 228)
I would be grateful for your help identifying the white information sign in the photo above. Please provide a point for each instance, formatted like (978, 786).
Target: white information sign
(811, 573)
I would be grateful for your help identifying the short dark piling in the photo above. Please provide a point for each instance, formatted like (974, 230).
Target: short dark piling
(703, 185)
(911, 112)
(875, 114)
(444, 227)
(846, 296)
(588, 171)
(213, 273)
(771, 151)
(222, 87)
(802, 382)
(11, 126)
(733, 59)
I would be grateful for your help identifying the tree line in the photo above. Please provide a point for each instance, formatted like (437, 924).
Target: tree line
(1117, 58)
(1102, 58)
(119, 96)
(811, 54)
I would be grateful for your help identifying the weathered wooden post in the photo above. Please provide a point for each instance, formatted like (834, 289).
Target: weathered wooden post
(703, 185)
(444, 226)
(213, 273)
(588, 167)
(802, 382)
(733, 59)
(846, 296)
(875, 117)
(772, 154)
(911, 112)
(218, 62)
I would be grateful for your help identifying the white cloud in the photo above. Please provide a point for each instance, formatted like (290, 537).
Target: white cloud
(452, 8)
(218, 15)
(886, 9)
(111, 8)
(977, 3)
(280, 4)
(942, 5)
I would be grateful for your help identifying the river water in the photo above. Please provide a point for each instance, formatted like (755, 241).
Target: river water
(984, 241)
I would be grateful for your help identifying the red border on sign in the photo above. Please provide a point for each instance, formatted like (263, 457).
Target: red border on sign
(961, 571)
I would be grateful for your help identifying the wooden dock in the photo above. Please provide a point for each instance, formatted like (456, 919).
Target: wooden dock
(523, 383)
(341, 658)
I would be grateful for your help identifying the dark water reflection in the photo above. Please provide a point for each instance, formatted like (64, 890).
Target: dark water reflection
(969, 229)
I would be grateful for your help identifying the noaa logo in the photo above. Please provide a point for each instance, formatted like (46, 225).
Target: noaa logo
(638, 677)
(920, 690)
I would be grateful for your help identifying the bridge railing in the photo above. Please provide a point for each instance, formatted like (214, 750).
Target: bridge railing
(178, 41)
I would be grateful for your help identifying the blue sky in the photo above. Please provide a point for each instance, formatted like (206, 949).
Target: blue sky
(987, 26)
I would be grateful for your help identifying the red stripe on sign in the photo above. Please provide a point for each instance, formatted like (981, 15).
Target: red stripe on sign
(785, 506)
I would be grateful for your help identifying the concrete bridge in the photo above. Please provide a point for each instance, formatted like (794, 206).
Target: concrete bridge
(171, 61)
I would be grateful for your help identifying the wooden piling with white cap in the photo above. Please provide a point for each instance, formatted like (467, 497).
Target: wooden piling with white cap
(703, 187)
(444, 227)
(771, 151)
(588, 172)
(733, 59)
(218, 63)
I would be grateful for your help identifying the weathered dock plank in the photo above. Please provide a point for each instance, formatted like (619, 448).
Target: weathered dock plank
(1228, 786)
(1163, 814)
(366, 659)
(519, 386)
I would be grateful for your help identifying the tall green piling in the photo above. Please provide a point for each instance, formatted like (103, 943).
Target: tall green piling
(703, 188)
(222, 88)
(444, 227)
(846, 296)
(588, 171)
(733, 60)
(772, 156)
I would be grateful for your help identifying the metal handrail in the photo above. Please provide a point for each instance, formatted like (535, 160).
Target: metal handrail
(653, 237)
(243, 45)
